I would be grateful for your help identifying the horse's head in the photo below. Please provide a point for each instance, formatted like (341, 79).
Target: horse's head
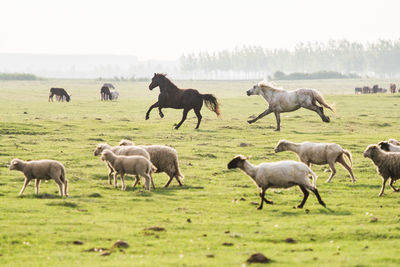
(254, 91)
(68, 97)
(156, 80)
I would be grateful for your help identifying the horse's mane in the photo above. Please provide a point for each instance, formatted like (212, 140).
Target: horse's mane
(269, 85)
(168, 81)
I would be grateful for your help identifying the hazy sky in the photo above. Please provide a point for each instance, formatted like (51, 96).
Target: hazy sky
(165, 29)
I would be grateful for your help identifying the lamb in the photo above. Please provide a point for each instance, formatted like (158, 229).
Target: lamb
(114, 95)
(125, 151)
(282, 174)
(319, 154)
(41, 170)
(394, 142)
(165, 158)
(136, 165)
(387, 163)
(389, 147)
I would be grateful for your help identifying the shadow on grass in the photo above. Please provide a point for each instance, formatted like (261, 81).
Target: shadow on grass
(317, 211)
(41, 196)
(63, 204)
(366, 185)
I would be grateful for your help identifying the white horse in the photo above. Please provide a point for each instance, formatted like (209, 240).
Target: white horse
(280, 101)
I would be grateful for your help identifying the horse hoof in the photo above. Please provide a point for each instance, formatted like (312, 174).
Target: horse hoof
(161, 115)
(250, 121)
(147, 118)
(326, 119)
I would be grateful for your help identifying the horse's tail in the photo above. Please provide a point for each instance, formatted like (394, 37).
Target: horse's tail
(212, 103)
(317, 96)
(348, 154)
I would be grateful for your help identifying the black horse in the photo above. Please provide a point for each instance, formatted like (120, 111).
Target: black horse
(172, 97)
(105, 93)
(60, 94)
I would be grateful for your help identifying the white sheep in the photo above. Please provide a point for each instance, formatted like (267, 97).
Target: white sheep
(114, 95)
(319, 154)
(41, 170)
(387, 163)
(394, 142)
(282, 174)
(136, 165)
(124, 151)
(389, 147)
(165, 159)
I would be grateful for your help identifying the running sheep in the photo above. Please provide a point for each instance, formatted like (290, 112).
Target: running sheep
(165, 159)
(125, 151)
(389, 147)
(135, 165)
(41, 170)
(282, 174)
(387, 165)
(319, 154)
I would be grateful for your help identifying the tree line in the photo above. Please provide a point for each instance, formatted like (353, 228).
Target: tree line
(381, 58)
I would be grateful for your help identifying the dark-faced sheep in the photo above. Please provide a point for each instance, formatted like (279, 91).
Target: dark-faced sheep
(387, 165)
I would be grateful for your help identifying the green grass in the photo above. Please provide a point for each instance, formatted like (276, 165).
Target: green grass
(40, 230)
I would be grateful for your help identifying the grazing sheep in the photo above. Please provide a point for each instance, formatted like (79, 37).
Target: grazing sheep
(124, 151)
(394, 142)
(136, 165)
(165, 158)
(387, 163)
(41, 170)
(389, 147)
(282, 174)
(319, 154)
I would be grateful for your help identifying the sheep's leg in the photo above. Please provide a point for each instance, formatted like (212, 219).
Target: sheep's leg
(262, 196)
(151, 107)
(37, 185)
(178, 180)
(169, 181)
(333, 169)
(392, 186)
(265, 113)
(123, 187)
(65, 187)
(147, 180)
(24, 186)
(305, 193)
(184, 115)
(383, 186)
(347, 167)
(110, 172)
(278, 121)
(137, 180)
(315, 191)
(266, 200)
(152, 181)
(60, 186)
(115, 180)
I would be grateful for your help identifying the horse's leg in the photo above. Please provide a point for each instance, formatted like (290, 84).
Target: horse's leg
(278, 120)
(320, 111)
(265, 113)
(160, 112)
(184, 115)
(199, 117)
(151, 107)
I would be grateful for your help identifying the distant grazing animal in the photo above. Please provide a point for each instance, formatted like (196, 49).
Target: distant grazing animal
(280, 101)
(387, 163)
(389, 147)
(109, 85)
(114, 95)
(366, 90)
(319, 154)
(59, 92)
(41, 170)
(393, 88)
(172, 97)
(282, 174)
(105, 93)
(375, 89)
(358, 90)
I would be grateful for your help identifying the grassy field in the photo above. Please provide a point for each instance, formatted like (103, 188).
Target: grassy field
(215, 205)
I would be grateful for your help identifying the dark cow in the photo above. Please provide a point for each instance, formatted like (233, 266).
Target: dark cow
(375, 89)
(393, 88)
(366, 90)
(60, 94)
(105, 93)
(358, 90)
